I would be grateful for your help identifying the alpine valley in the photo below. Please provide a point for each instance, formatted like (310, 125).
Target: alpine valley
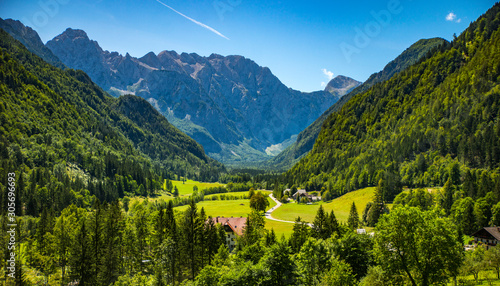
(180, 169)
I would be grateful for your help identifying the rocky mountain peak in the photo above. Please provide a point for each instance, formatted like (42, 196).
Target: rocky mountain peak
(341, 85)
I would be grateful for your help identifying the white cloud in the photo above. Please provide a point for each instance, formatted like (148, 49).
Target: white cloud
(450, 17)
(323, 84)
(328, 74)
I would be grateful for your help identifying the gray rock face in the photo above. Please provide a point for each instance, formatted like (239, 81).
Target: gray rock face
(341, 85)
(233, 107)
(30, 39)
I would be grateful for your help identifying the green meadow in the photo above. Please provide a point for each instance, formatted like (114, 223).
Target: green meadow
(186, 188)
(340, 206)
(237, 208)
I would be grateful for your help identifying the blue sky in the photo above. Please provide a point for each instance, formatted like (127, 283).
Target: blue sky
(304, 43)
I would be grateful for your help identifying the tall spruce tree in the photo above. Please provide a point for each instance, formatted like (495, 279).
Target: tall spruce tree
(353, 220)
(320, 224)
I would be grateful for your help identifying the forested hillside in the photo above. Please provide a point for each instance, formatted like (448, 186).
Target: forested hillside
(68, 141)
(411, 129)
(305, 140)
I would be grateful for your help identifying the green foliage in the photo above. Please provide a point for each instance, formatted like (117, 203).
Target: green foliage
(474, 262)
(301, 231)
(259, 202)
(419, 198)
(324, 225)
(72, 143)
(492, 259)
(353, 220)
(312, 261)
(444, 108)
(355, 250)
(418, 246)
(376, 276)
(340, 274)
(305, 140)
(463, 215)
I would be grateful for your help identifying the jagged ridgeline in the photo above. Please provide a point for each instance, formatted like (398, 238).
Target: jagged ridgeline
(67, 140)
(305, 140)
(441, 111)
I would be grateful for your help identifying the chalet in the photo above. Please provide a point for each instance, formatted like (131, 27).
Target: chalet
(490, 236)
(303, 194)
(233, 226)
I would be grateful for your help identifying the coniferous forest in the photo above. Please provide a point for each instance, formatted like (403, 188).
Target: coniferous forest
(427, 140)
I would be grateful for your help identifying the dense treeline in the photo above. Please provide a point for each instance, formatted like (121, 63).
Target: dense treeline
(151, 243)
(440, 111)
(71, 143)
(96, 246)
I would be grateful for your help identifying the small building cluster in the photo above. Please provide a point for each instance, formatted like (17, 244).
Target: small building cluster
(303, 194)
(233, 226)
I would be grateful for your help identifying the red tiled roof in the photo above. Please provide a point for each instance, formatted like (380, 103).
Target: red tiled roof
(237, 224)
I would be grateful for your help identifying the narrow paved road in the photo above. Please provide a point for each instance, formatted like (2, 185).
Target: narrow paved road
(278, 204)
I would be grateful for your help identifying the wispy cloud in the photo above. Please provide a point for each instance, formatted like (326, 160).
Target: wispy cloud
(452, 17)
(194, 21)
(328, 74)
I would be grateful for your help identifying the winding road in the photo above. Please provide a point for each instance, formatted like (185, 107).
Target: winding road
(278, 204)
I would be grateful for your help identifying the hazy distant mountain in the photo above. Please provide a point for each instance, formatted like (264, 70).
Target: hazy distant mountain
(236, 109)
(305, 140)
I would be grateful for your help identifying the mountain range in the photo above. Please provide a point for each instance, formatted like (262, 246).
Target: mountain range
(237, 110)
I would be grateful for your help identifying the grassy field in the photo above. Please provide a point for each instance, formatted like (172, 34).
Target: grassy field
(186, 188)
(280, 228)
(340, 206)
(486, 277)
(234, 208)
(239, 208)
(238, 194)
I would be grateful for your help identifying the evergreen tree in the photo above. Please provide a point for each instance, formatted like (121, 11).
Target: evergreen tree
(191, 233)
(112, 244)
(332, 225)
(449, 190)
(299, 235)
(96, 236)
(80, 258)
(64, 232)
(202, 238)
(176, 192)
(353, 219)
(270, 237)
(320, 228)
